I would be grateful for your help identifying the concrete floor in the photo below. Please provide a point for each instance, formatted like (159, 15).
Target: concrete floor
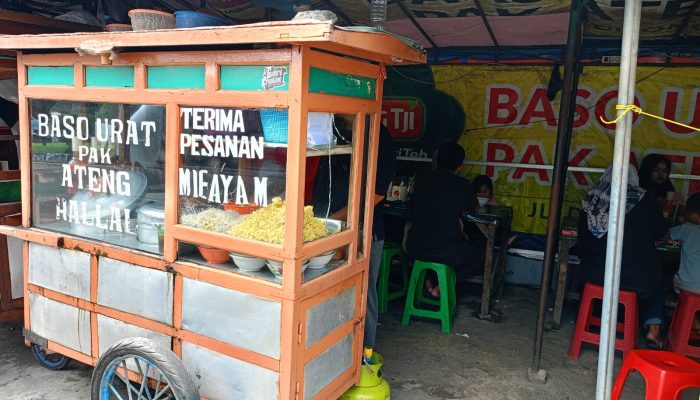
(22, 378)
(483, 360)
(478, 360)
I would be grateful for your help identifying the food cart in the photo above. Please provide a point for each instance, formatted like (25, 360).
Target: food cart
(133, 144)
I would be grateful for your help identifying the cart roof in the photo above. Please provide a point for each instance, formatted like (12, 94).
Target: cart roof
(369, 45)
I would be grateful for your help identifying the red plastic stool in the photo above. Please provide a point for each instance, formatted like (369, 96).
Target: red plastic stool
(666, 374)
(586, 320)
(681, 331)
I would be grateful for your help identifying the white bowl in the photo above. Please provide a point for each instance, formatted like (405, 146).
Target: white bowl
(247, 263)
(276, 267)
(321, 261)
(482, 200)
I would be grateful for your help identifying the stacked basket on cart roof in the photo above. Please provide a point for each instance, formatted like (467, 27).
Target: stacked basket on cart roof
(145, 19)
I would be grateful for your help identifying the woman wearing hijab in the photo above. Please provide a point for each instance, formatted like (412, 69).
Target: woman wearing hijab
(641, 267)
(653, 176)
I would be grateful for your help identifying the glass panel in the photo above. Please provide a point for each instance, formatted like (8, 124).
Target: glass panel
(324, 263)
(329, 181)
(329, 167)
(230, 180)
(98, 171)
(118, 77)
(58, 76)
(254, 77)
(329, 82)
(244, 264)
(175, 77)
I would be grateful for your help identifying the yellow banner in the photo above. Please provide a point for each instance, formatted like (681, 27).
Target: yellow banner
(509, 119)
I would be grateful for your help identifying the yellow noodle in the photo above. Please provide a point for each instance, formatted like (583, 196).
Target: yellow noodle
(267, 224)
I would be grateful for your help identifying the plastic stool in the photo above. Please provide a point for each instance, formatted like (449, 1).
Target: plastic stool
(681, 331)
(586, 320)
(448, 299)
(385, 290)
(666, 374)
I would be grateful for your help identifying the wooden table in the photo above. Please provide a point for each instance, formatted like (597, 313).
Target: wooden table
(566, 242)
(491, 218)
(568, 237)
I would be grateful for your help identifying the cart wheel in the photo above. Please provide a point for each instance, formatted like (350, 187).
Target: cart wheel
(52, 361)
(168, 378)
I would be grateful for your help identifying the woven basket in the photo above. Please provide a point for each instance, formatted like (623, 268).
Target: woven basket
(146, 20)
(117, 27)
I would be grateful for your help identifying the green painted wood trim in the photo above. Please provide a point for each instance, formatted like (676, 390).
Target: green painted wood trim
(10, 191)
(117, 77)
(328, 82)
(176, 77)
(55, 76)
(254, 77)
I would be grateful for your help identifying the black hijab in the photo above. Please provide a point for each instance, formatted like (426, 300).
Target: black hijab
(649, 163)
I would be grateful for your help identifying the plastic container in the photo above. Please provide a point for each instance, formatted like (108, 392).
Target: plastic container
(275, 124)
(377, 13)
(193, 19)
(118, 27)
(147, 20)
(149, 219)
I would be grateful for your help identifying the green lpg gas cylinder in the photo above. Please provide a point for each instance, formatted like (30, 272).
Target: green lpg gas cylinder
(372, 385)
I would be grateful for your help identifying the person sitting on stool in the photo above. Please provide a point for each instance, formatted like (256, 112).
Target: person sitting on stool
(436, 233)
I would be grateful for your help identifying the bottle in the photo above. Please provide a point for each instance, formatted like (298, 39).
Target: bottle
(403, 191)
(367, 355)
(390, 191)
(396, 192)
(668, 205)
(378, 13)
(411, 185)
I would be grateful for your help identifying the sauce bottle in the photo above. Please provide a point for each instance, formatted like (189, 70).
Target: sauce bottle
(668, 205)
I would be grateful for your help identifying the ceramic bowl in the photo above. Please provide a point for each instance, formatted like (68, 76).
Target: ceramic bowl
(322, 260)
(214, 256)
(242, 209)
(482, 200)
(276, 267)
(247, 263)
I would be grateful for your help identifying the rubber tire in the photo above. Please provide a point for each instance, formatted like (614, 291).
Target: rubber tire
(164, 359)
(41, 357)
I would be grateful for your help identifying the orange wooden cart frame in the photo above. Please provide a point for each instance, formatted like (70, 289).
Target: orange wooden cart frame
(10, 308)
(302, 46)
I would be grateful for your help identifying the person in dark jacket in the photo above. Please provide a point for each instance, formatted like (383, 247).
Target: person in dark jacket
(653, 176)
(641, 270)
(436, 233)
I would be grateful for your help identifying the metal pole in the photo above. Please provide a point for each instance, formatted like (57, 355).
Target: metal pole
(561, 158)
(618, 199)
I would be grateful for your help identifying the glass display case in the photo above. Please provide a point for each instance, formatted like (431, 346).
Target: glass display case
(229, 183)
